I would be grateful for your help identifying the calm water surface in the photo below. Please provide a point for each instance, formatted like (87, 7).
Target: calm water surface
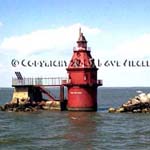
(46, 130)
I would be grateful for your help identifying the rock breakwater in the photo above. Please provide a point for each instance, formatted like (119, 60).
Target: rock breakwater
(139, 103)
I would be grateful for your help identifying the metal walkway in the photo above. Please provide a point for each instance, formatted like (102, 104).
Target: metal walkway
(57, 81)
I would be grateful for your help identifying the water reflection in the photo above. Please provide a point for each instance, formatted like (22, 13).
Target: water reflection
(82, 129)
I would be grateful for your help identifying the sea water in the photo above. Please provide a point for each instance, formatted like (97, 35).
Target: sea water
(52, 130)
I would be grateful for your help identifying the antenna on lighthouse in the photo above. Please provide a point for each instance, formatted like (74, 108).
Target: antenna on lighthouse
(79, 31)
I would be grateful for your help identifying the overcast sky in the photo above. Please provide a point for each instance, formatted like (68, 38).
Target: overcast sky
(118, 32)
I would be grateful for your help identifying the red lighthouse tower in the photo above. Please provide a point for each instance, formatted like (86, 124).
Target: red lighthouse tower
(83, 83)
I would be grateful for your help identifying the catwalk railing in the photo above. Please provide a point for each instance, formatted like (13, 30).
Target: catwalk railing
(38, 81)
(55, 81)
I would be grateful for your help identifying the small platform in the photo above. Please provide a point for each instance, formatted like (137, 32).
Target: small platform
(31, 90)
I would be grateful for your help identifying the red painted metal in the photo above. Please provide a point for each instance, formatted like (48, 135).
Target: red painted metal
(41, 88)
(82, 83)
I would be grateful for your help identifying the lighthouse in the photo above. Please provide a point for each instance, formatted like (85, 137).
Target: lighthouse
(82, 78)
